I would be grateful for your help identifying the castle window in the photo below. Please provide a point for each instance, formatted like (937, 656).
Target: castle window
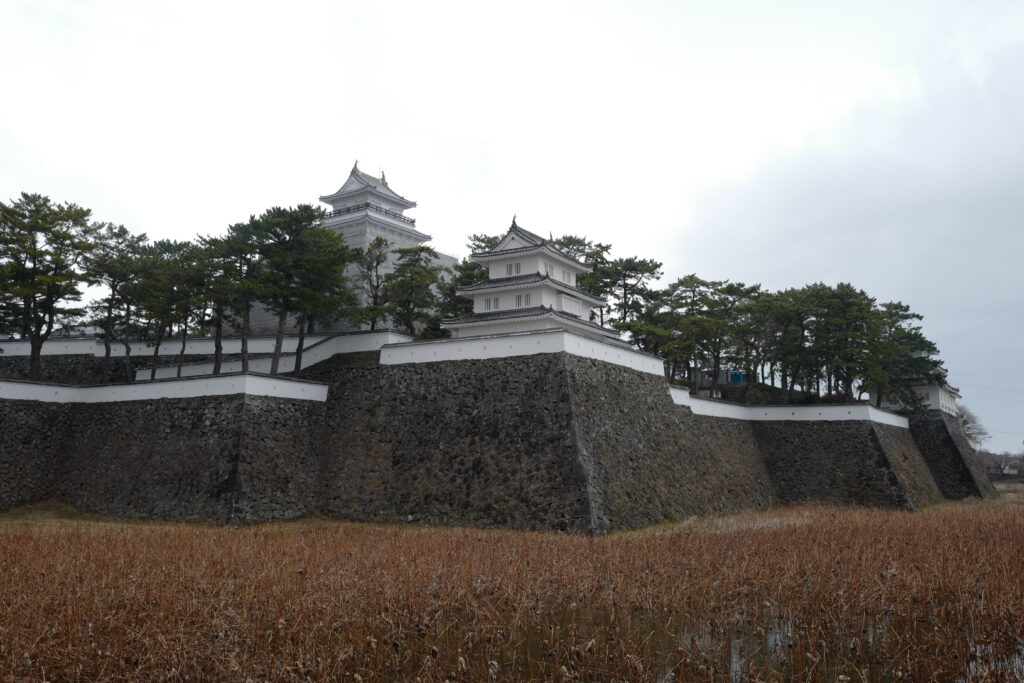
(565, 275)
(508, 269)
(495, 303)
(487, 304)
(519, 300)
(549, 269)
(526, 299)
(517, 269)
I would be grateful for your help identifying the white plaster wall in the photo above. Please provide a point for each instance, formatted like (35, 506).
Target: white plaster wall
(312, 354)
(548, 297)
(519, 344)
(55, 346)
(539, 296)
(934, 396)
(499, 269)
(823, 413)
(544, 265)
(508, 326)
(221, 385)
(533, 292)
(947, 402)
(87, 346)
(571, 304)
(528, 264)
(480, 303)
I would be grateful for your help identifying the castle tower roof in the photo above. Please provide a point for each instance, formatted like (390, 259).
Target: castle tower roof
(519, 241)
(364, 187)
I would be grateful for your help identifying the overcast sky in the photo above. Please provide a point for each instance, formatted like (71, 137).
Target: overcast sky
(783, 143)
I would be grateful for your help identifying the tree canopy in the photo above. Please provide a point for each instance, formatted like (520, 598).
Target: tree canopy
(44, 249)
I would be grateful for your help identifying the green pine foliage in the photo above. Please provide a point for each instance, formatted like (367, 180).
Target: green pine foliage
(44, 249)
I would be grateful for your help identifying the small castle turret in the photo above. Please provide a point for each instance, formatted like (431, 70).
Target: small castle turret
(531, 285)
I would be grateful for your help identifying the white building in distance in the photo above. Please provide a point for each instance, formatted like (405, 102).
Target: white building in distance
(531, 285)
(936, 396)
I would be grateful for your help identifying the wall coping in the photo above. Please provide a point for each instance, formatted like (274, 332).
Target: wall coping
(527, 343)
(314, 353)
(84, 346)
(251, 384)
(782, 413)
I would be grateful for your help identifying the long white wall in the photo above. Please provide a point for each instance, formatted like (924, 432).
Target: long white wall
(520, 344)
(85, 346)
(320, 351)
(813, 413)
(221, 385)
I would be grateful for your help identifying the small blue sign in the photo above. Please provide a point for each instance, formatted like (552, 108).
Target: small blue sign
(735, 377)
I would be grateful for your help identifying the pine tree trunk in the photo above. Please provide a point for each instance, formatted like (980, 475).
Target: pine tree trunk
(218, 346)
(35, 352)
(181, 352)
(128, 360)
(245, 337)
(36, 342)
(107, 333)
(298, 349)
(156, 356)
(282, 320)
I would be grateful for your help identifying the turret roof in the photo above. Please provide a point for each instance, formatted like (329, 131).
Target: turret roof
(532, 312)
(531, 237)
(533, 243)
(527, 280)
(357, 180)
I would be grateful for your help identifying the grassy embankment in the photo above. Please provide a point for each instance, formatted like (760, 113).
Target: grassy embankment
(808, 593)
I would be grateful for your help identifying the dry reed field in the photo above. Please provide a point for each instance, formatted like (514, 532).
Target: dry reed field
(798, 594)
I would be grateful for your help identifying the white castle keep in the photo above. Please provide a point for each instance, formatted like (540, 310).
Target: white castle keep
(363, 209)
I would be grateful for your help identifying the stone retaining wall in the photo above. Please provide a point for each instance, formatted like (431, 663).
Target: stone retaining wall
(212, 459)
(155, 459)
(77, 369)
(648, 460)
(550, 441)
(950, 457)
(849, 462)
(32, 438)
(278, 466)
(486, 443)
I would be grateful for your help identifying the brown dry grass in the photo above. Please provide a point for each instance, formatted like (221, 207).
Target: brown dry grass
(1011, 491)
(803, 593)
